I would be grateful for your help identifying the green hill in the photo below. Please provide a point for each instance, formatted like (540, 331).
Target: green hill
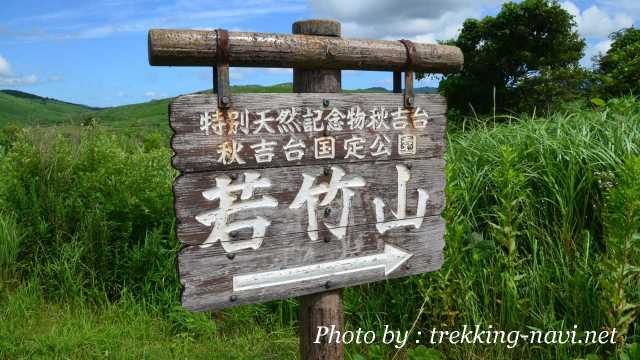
(149, 114)
(24, 109)
(154, 113)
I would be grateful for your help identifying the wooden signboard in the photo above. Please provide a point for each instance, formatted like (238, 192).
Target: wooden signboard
(283, 195)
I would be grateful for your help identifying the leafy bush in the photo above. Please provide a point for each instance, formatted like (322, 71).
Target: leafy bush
(619, 67)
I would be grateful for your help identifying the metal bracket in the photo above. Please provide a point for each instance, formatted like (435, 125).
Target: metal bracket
(221, 71)
(409, 97)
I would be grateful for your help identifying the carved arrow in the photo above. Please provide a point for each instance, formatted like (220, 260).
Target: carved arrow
(388, 261)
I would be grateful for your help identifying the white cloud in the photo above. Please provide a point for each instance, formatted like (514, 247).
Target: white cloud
(101, 19)
(53, 78)
(239, 74)
(595, 22)
(7, 77)
(599, 48)
(427, 22)
(278, 71)
(18, 80)
(603, 46)
(629, 7)
(5, 68)
(154, 95)
(381, 11)
(416, 20)
(385, 83)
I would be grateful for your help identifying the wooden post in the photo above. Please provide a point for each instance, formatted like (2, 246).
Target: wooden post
(320, 309)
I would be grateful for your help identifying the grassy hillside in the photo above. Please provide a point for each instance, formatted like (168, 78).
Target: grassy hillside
(23, 109)
(149, 114)
(154, 113)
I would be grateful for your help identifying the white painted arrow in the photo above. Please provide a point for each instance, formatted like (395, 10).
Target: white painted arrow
(388, 260)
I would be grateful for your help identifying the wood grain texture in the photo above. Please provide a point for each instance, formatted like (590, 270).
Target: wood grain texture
(322, 308)
(196, 151)
(318, 27)
(312, 81)
(381, 178)
(207, 274)
(252, 49)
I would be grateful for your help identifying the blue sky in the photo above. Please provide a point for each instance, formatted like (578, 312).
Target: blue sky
(95, 52)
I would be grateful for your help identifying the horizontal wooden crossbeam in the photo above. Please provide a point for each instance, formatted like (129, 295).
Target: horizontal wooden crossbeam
(254, 49)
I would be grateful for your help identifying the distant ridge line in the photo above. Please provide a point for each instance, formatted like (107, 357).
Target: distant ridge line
(26, 95)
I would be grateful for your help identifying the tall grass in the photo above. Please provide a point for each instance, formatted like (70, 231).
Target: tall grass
(10, 242)
(538, 230)
(96, 211)
(527, 236)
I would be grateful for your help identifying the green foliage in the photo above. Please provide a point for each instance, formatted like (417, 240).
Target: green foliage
(509, 212)
(552, 88)
(421, 352)
(535, 214)
(152, 114)
(521, 49)
(96, 212)
(10, 242)
(598, 102)
(8, 135)
(24, 109)
(525, 237)
(631, 352)
(620, 273)
(620, 66)
(127, 329)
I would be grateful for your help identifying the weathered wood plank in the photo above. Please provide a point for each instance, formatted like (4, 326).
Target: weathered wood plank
(198, 48)
(198, 147)
(381, 181)
(207, 277)
(232, 265)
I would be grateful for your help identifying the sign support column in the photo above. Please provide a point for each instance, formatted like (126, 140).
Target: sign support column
(325, 308)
